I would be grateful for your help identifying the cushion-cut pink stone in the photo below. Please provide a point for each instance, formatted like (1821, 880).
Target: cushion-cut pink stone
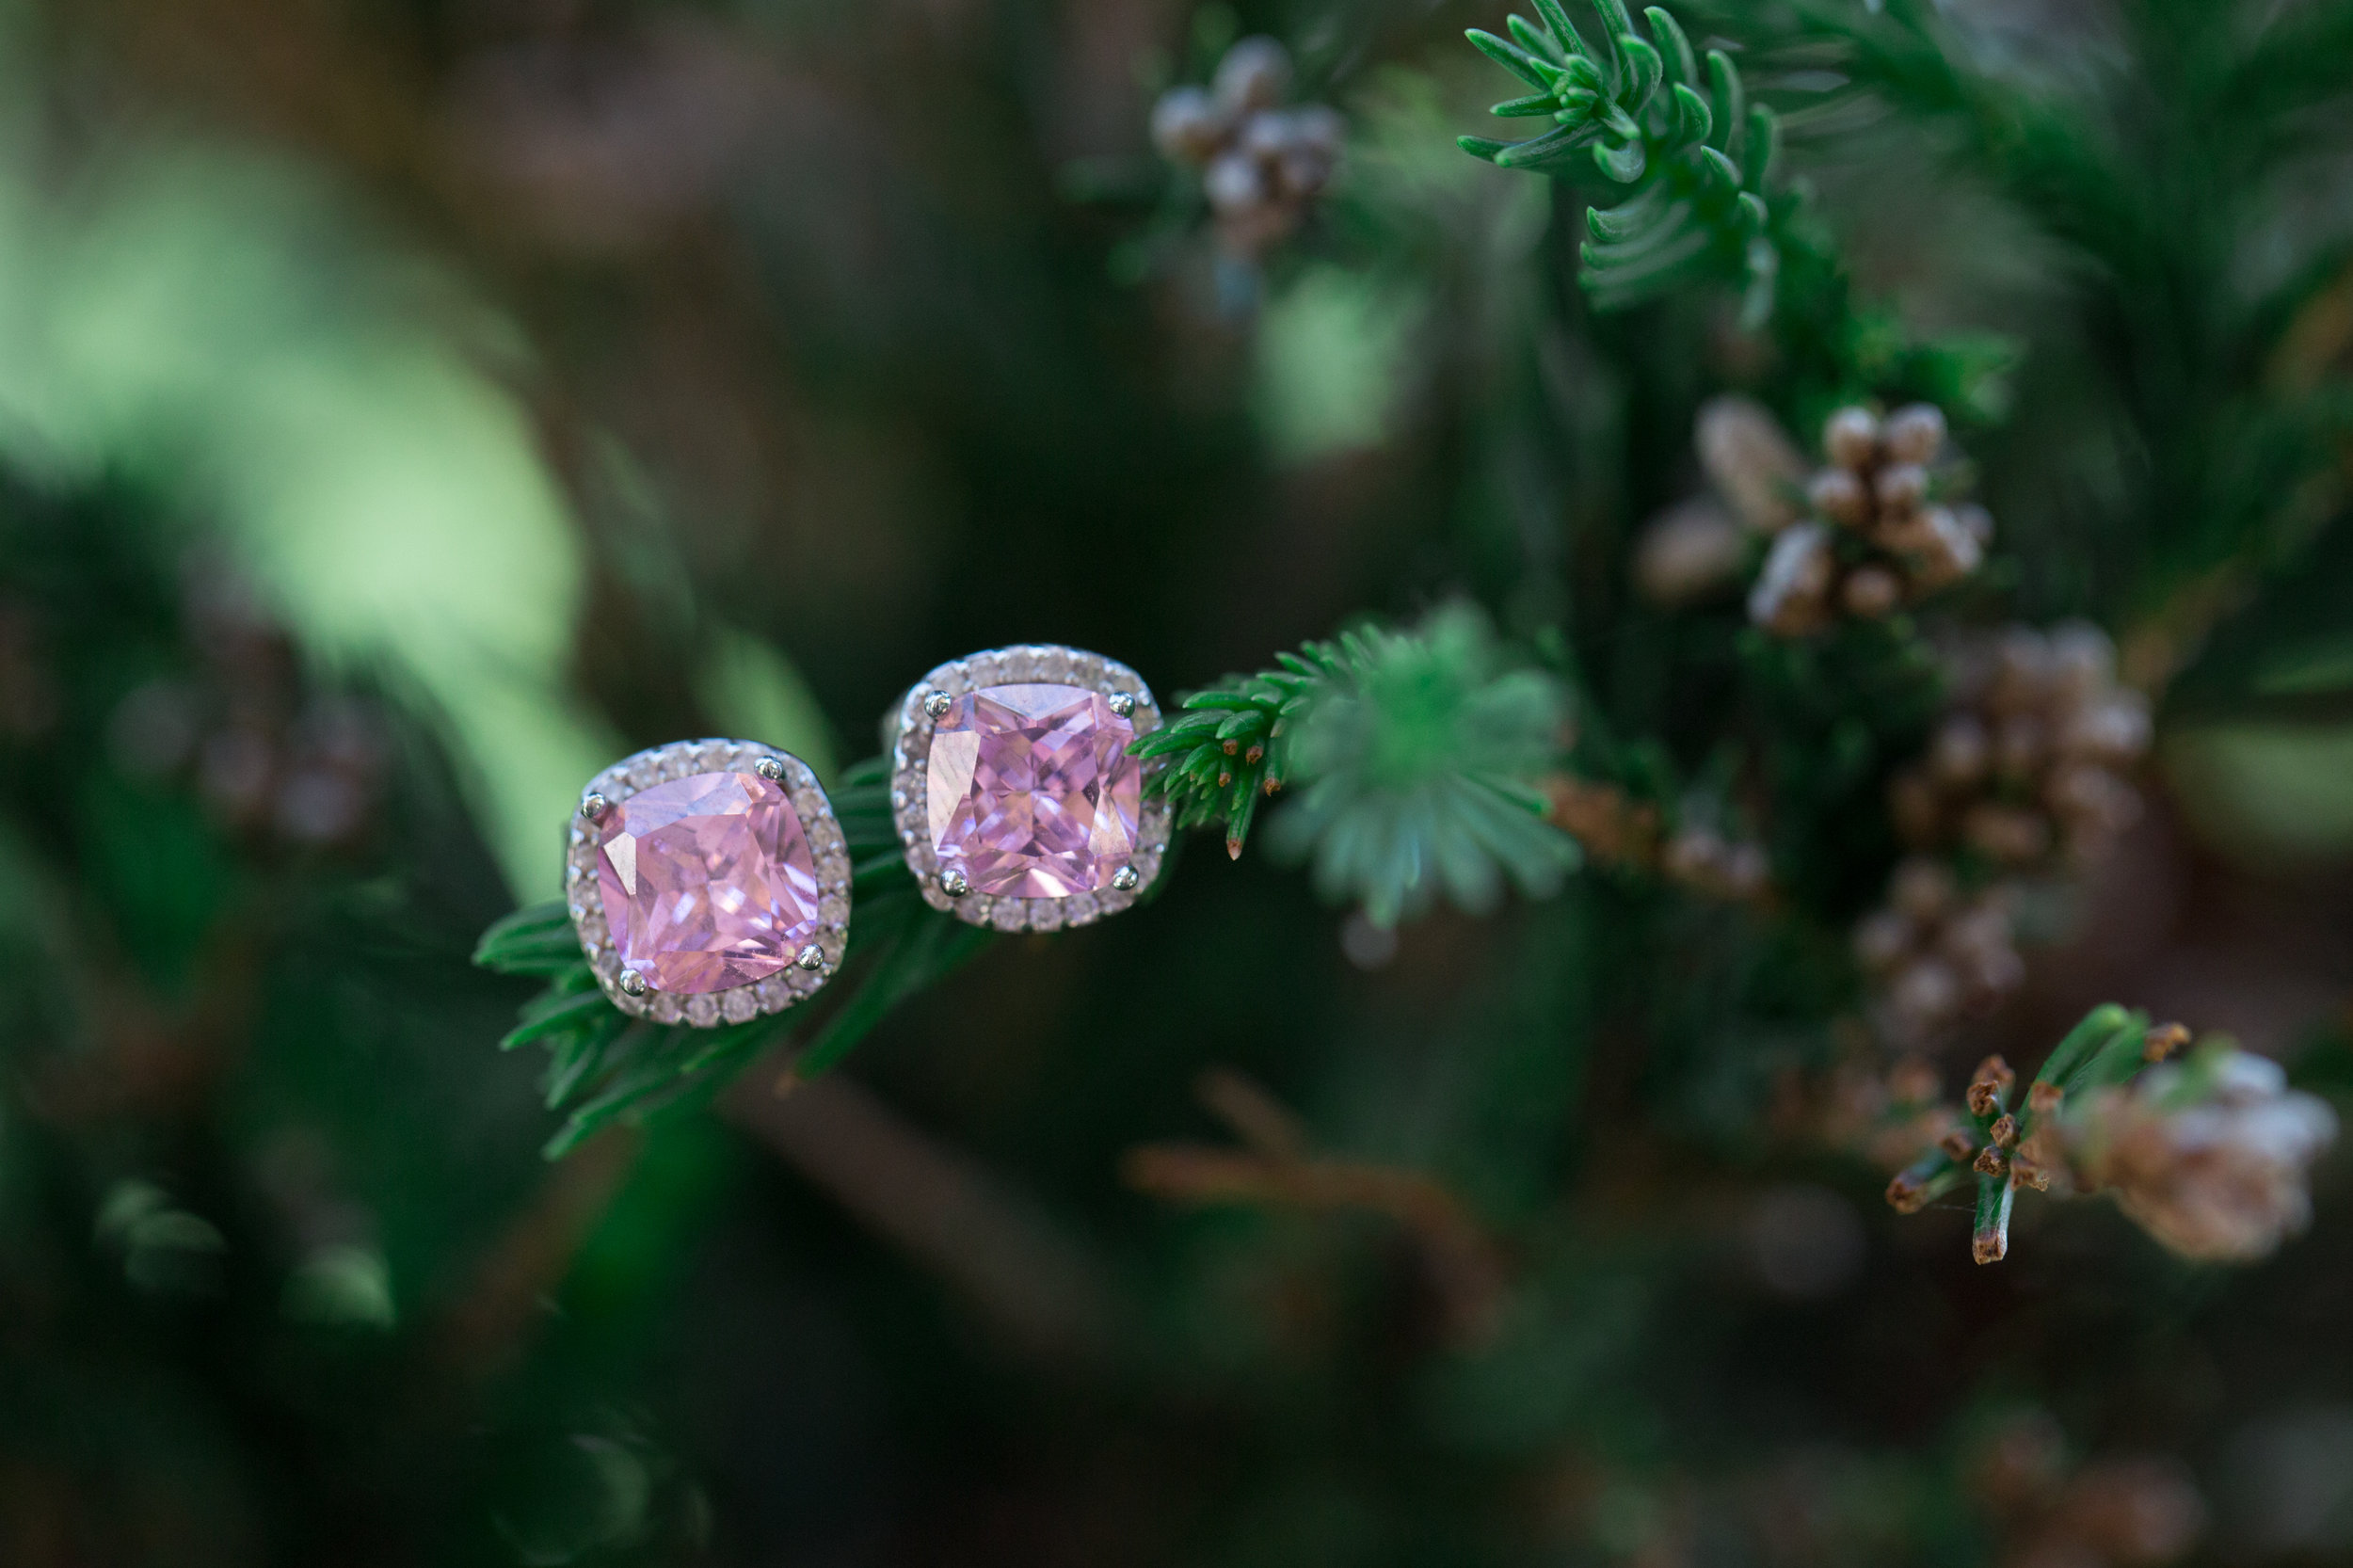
(1033, 792)
(707, 882)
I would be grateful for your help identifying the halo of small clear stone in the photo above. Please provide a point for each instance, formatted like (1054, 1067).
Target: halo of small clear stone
(910, 804)
(830, 853)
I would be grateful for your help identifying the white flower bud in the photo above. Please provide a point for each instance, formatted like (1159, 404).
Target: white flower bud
(1755, 467)
(1234, 185)
(1838, 495)
(1187, 126)
(1915, 434)
(1792, 594)
(2222, 1178)
(1850, 439)
(1253, 75)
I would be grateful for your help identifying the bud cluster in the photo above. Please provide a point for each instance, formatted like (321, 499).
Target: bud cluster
(1703, 861)
(1937, 954)
(1262, 166)
(2210, 1156)
(2126, 1511)
(2029, 764)
(1877, 536)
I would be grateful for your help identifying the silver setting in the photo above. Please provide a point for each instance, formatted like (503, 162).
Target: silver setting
(910, 741)
(829, 855)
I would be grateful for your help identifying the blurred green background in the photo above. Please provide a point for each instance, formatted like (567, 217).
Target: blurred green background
(409, 407)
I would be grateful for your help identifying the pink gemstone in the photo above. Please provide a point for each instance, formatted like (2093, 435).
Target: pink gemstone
(1033, 792)
(707, 882)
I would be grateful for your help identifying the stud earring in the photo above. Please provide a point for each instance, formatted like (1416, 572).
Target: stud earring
(1013, 793)
(709, 883)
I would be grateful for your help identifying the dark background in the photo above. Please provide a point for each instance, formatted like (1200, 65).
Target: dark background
(409, 406)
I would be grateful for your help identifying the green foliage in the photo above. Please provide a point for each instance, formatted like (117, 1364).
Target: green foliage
(1645, 114)
(1230, 747)
(1415, 772)
(605, 1066)
(1413, 752)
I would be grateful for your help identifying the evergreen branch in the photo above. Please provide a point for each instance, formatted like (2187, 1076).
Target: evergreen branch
(1415, 755)
(605, 1066)
(1648, 116)
(1230, 747)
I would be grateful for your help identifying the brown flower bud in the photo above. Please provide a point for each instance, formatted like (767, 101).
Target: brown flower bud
(1957, 1145)
(1838, 495)
(1187, 126)
(1850, 439)
(1792, 594)
(2043, 1098)
(2007, 833)
(1989, 1245)
(2033, 1160)
(1901, 487)
(1907, 1193)
(2163, 1041)
(2112, 729)
(2003, 1131)
(1989, 1084)
(1915, 434)
(1990, 1161)
(1924, 994)
(1253, 75)
(1922, 890)
(1942, 550)
(1961, 752)
(1751, 464)
(1871, 593)
(1914, 1081)
(1234, 185)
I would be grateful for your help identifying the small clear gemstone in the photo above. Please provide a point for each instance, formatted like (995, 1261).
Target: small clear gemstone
(707, 882)
(1031, 791)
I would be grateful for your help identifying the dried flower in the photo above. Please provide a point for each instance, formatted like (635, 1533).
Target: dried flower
(1703, 859)
(1262, 166)
(1935, 956)
(2028, 764)
(1882, 539)
(2209, 1155)
(1751, 462)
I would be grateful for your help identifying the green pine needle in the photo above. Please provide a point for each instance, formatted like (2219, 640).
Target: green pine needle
(1414, 755)
(1648, 116)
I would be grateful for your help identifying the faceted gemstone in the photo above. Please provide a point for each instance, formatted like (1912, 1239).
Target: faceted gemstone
(1032, 793)
(707, 882)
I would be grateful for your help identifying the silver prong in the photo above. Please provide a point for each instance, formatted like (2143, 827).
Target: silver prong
(634, 982)
(811, 957)
(594, 806)
(953, 883)
(938, 704)
(1127, 879)
(769, 768)
(1124, 704)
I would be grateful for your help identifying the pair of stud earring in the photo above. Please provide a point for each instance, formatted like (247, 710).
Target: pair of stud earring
(709, 881)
